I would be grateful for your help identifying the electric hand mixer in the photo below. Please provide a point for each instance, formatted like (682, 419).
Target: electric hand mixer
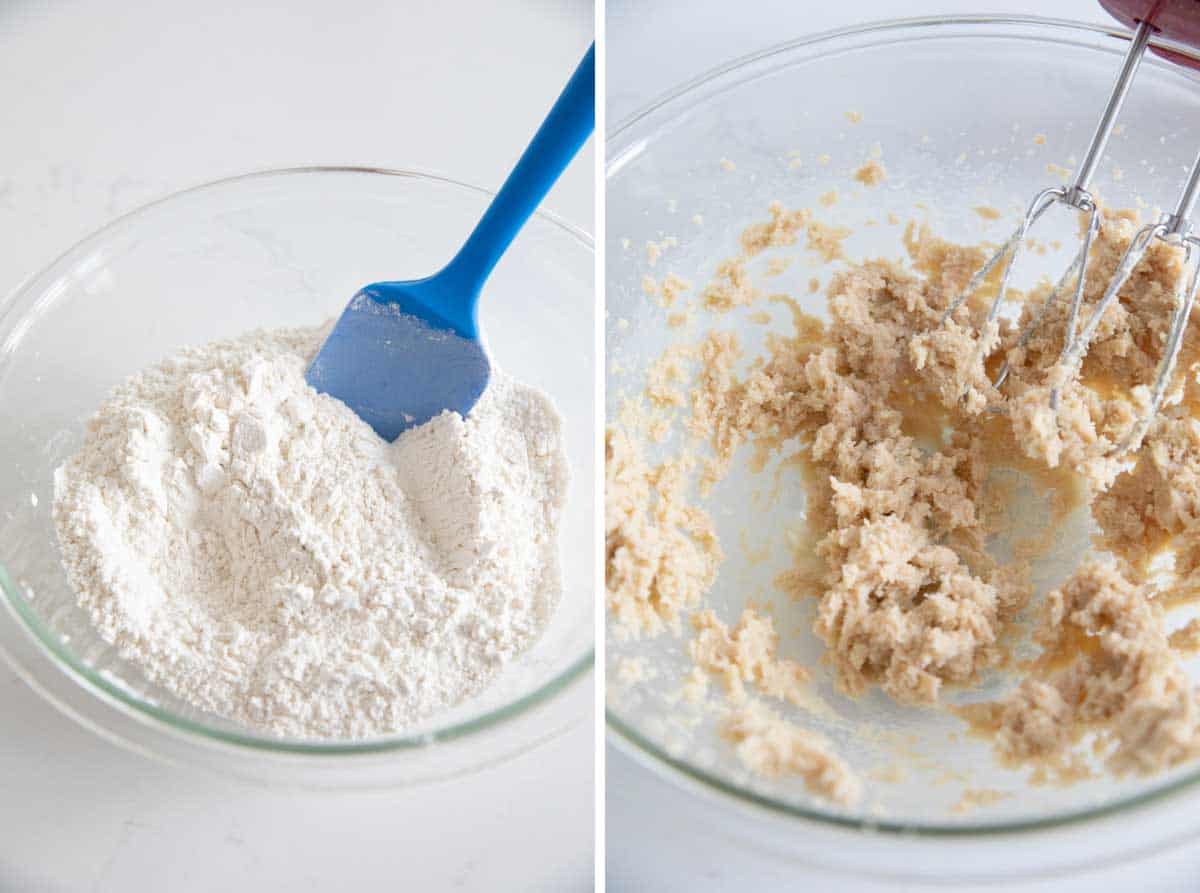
(1178, 21)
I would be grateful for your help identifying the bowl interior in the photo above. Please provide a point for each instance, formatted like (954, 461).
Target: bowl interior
(961, 115)
(271, 250)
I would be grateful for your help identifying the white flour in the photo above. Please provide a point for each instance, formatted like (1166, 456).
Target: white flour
(259, 551)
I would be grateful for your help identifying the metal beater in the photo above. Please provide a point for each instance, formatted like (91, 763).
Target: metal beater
(1179, 19)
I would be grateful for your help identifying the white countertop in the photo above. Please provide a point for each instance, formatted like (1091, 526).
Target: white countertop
(107, 105)
(656, 838)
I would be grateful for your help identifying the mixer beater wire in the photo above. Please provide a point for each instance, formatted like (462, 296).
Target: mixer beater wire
(1174, 228)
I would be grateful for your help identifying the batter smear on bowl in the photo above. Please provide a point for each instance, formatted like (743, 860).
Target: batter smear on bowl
(902, 438)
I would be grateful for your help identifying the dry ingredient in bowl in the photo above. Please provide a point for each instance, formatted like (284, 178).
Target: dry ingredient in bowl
(259, 551)
(888, 411)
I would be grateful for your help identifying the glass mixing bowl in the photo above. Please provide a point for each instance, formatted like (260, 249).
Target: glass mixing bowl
(280, 248)
(963, 112)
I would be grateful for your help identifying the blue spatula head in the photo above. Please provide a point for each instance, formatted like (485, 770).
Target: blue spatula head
(397, 360)
(404, 352)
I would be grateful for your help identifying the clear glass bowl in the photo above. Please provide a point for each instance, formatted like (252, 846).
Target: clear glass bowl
(967, 112)
(280, 248)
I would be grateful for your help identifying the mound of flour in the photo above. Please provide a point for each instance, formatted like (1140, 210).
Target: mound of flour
(258, 550)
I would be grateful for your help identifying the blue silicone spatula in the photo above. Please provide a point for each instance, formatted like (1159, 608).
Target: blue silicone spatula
(403, 352)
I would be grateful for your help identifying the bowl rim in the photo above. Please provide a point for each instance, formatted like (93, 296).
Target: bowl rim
(692, 777)
(141, 710)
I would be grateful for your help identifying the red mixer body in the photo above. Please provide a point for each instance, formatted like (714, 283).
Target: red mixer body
(1177, 20)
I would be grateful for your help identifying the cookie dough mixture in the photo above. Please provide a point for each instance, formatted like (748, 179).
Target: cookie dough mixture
(892, 415)
(256, 549)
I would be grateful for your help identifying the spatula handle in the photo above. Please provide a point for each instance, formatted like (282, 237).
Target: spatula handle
(564, 131)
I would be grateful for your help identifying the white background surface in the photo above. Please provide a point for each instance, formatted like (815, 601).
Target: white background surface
(104, 106)
(655, 839)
